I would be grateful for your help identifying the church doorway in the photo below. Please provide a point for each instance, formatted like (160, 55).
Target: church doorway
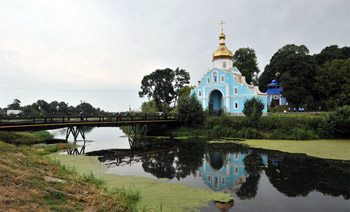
(215, 103)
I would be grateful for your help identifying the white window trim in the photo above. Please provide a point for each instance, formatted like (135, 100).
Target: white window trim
(235, 90)
(234, 105)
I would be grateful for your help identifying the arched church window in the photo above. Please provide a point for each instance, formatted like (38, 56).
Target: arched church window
(215, 76)
(208, 80)
(236, 105)
(199, 93)
(222, 78)
(236, 170)
(224, 64)
(235, 90)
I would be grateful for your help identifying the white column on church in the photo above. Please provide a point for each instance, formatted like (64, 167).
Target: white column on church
(280, 99)
(227, 98)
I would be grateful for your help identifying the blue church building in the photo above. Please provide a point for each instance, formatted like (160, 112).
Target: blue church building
(273, 92)
(224, 88)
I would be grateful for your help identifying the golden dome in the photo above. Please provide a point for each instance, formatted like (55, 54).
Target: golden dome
(222, 52)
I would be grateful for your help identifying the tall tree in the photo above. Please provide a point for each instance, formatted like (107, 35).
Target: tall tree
(182, 77)
(297, 78)
(245, 60)
(163, 85)
(331, 53)
(277, 61)
(16, 105)
(333, 83)
(149, 106)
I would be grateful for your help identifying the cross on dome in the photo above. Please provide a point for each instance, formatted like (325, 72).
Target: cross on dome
(222, 25)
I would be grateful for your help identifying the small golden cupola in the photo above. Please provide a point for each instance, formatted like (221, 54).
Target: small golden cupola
(222, 52)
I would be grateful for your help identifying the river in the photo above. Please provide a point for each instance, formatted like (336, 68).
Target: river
(257, 180)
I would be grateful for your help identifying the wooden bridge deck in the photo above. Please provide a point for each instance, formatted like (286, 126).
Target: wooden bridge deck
(44, 123)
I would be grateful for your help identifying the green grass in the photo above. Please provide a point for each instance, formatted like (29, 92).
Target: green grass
(25, 138)
(23, 188)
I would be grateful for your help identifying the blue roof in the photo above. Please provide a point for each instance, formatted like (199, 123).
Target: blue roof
(274, 82)
(274, 90)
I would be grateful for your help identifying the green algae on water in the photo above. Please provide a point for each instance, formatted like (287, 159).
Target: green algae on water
(171, 197)
(338, 149)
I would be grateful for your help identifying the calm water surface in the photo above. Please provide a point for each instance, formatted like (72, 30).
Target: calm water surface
(259, 180)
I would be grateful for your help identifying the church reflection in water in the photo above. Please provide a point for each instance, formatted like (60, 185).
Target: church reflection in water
(229, 168)
(225, 172)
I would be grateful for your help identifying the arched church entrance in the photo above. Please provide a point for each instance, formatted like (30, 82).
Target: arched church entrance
(215, 102)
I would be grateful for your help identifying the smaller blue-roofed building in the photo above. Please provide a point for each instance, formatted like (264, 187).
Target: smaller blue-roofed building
(274, 93)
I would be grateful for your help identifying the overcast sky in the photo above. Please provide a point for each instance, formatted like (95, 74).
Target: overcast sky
(98, 51)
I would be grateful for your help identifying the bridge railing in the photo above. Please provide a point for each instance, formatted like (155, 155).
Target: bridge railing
(119, 117)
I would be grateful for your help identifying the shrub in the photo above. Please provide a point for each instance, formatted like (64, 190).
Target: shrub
(190, 111)
(302, 134)
(218, 131)
(43, 135)
(336, 124)
(253, 109)
(279, 134)
(250, 133)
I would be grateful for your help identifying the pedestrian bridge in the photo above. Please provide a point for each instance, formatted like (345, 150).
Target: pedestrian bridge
(46, 123)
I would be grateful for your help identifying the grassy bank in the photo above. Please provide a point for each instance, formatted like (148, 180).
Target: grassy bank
(277, 127)
(25, 138)
(29, 182)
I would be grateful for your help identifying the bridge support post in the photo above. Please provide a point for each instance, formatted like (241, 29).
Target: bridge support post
(75, 131)
(132, 129)
(142, 130)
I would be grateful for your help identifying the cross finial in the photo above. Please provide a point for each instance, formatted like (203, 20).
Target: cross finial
(222, 25)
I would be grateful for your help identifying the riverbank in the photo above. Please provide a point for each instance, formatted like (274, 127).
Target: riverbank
(31, 182)
(337, 149)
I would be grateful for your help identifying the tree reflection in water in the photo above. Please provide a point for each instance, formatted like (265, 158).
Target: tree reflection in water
(179, 163)
(237, 169)
(253, 165)
(297, 175)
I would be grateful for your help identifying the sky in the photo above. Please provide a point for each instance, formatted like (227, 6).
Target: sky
(98, 51)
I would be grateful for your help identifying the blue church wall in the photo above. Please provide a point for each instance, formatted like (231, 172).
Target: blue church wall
(234, 94)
